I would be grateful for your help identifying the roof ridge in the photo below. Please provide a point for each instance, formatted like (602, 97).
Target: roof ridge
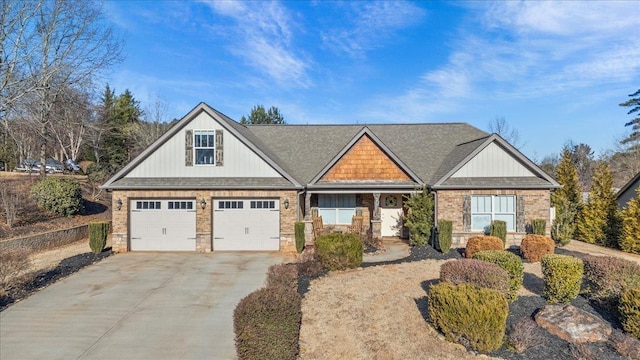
(358, 124)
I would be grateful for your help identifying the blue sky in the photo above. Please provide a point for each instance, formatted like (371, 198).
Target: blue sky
(556, 71)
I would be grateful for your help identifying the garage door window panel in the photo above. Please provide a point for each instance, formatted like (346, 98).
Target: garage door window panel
(148, 205)
(204, 147)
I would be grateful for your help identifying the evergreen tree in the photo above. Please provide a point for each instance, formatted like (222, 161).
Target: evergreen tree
(633, 140)
(567, 200)
(599, 222)
(261, 116)
(120, 122)
(630, 238)
(420, 209)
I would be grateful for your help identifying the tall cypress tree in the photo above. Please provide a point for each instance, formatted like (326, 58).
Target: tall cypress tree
(600, 222)
(566, 200)
(629, 240)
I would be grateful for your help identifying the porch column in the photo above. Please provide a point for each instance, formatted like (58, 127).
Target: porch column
(307, 205)
(376, 206)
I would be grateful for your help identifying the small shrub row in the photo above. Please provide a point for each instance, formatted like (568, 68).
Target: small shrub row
(605, 277)
(562, 277)
(534, 247)
(445, 231)
(469, 315)
(498, 229)
(339, 251)
(475, 272)
(284, 275)
(98, 232)
(60, 195)
(509, 262)
(481, 243)
(630, 311)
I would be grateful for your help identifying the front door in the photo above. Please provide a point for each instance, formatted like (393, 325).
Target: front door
(391, 215)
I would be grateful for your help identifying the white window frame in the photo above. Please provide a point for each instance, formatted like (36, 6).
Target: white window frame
(211, 147)
(493, 213)
(336, 212)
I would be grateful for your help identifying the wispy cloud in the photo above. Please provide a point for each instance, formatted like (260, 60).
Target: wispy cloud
(517, 50)
(263, 38)
(373, 24)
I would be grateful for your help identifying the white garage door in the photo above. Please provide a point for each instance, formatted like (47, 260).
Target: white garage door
(163, 225)
(246, 224)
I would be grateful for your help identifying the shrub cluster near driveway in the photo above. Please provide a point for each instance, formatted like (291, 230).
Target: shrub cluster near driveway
(266, 322)
(511, 263)
(469, 315)
(562, 277)
(339, 251)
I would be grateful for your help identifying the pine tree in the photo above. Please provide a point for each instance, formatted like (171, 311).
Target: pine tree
(630, 238)
(599, 221)
(567, 200)
(125, 113)
(261, 116)
(633, 140)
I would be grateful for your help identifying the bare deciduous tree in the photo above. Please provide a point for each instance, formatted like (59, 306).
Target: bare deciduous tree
(500, 126)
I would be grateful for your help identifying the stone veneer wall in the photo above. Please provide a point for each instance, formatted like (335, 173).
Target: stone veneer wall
(450, 207)
(204, 221)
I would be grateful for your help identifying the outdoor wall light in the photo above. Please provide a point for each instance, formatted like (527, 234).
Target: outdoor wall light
(286, 203)
(118, 204)
(203, 203)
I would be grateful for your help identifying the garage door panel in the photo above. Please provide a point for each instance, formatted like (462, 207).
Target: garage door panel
(161, 225)
(246, 224)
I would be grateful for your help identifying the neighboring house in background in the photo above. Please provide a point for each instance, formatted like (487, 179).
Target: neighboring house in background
(210, 183)
(628, 191)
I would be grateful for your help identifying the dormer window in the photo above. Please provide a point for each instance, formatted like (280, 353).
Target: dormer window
(204, 146)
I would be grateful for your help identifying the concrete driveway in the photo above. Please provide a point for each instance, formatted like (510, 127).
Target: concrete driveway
(137, 306)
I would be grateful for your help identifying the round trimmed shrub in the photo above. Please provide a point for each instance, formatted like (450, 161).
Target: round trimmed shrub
(534, 247)
(630, 311)
(562, 277)
(511, 263)
(60, 195)
(469, 314)
(481, 243)
(339, 251)
(266, 324)
(475, 272)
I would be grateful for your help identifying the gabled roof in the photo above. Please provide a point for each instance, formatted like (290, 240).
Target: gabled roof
(365, 132)
(467, 151)
(628, 185)
(238, 130)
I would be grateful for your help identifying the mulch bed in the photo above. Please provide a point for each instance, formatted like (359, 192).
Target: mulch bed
(32, 283)
(419, 253)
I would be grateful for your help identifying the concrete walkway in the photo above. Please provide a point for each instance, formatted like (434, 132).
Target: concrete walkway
(394, 249)
(586, 248)
(137, 306)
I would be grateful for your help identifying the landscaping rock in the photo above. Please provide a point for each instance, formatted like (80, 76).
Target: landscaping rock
(572, 324)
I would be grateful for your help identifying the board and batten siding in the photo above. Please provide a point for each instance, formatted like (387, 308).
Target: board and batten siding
(493, 161)
(168, 159)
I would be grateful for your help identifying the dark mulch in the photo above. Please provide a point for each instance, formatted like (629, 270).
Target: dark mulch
(31, 283)
(418, 253)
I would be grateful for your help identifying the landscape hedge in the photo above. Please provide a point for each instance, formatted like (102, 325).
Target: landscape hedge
(511, 263)
(475, 272)
(266, 324)
(98, 232)
(562, 277)
(498, 229)
(605, 277)
(481, 243)
(630, 311)
(285, 275)
(339, 251)
(445, 231)
(469, 315)
(299, 233)
(534, 247)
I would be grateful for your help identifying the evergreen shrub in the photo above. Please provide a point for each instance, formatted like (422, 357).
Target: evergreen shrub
(481, 243)
(98, 232)
(511, 263)
(445, 231)
(630, 311)
(339, 251)
(469, 314)
(475, 272)
(534, 247)
(60, 195)
(285, 275)
(539, 226)
(299, 232)
(630, 238)
(498, 229)
(562, 277)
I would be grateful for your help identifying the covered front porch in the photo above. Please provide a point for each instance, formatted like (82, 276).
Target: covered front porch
(382, 212)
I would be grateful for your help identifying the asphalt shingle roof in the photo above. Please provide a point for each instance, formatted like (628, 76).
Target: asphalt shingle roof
(201, 183)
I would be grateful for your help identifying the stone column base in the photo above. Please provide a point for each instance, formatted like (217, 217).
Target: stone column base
(376, 229)
(308, 233)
